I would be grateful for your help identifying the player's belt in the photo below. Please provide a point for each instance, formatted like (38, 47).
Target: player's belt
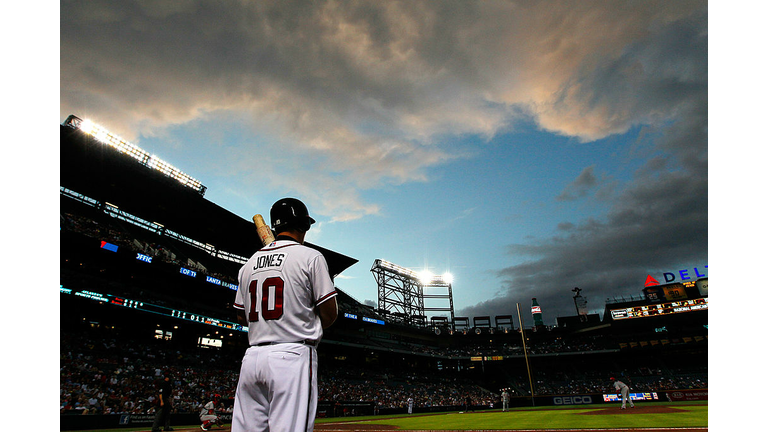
(303, 342)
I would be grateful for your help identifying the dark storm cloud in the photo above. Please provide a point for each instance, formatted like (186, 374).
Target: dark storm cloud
(371, 85)
(352, 83)
(661, 217)
(580, 186)
(646, 83)
(660, 220)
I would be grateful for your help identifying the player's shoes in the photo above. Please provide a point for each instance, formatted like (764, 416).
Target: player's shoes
(203, 428)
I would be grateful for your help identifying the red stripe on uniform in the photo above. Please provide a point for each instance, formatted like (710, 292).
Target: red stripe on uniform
(326, 297)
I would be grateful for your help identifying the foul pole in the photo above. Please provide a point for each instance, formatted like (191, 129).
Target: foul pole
(525, 352)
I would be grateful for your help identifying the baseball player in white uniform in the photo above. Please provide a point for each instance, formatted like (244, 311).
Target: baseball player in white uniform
(504, 400)
(410, 405)
(286, 298)
(208, 413)
(624, 390)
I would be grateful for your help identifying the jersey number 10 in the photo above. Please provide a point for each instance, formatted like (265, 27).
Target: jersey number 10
(270, 310)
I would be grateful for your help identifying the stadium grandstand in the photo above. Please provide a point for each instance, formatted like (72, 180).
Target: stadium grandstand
(148, 272)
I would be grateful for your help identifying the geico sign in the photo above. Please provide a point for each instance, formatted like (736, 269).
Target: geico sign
(572, 400)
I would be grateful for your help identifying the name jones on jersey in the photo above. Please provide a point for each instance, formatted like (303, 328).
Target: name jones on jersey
(271, 260)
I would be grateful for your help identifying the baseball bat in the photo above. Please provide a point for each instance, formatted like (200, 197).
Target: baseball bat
(265, 233)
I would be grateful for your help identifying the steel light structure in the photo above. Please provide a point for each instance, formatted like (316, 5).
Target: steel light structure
(101, 134)
(402, 292)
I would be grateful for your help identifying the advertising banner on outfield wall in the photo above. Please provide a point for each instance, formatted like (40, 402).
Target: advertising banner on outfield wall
(688, 395)
(613, 397)
(572, 400)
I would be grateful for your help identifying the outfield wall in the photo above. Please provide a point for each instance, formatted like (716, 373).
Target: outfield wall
(356, 408)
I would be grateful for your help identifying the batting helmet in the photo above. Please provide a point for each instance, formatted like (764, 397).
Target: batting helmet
(290, 213)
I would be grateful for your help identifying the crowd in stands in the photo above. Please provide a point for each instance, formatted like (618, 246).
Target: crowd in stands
(391, 389)
(637, 384)
(511, 347)
(103, 375)
(112, 232)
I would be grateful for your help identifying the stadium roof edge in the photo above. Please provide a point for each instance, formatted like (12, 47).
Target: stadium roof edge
(106, 175)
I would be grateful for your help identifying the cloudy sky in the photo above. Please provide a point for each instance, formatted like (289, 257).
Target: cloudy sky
(526, 147)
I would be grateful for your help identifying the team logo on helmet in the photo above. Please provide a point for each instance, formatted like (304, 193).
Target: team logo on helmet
(290, 212)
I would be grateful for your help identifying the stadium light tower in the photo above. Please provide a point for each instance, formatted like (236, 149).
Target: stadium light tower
(581, 304)
(402, 292)
(438, 290)
(102, 135)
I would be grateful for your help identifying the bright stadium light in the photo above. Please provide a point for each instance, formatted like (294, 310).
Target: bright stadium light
(398, 269)
(86, 126)
(447, 278)
(103, 135)
(426, 277)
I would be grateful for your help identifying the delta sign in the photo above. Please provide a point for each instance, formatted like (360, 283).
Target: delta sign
(685, 275)
(673, 289)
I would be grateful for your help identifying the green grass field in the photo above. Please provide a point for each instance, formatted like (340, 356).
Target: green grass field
(688, 415)
(678, 415)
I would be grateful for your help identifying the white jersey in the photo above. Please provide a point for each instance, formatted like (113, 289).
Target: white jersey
(279, 288)
(624, 389)
(208, 409)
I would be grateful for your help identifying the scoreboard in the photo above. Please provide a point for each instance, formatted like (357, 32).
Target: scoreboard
(677, 290)
(669, 308)
(153, 308)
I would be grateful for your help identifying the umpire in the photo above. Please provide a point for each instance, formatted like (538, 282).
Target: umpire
(164, 405)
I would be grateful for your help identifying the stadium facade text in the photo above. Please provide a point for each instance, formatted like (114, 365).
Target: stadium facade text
(685, 274)
(572, 400)
(145, 258)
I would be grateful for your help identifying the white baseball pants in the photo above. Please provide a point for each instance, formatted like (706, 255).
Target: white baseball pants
(625, 398)
(277, 389)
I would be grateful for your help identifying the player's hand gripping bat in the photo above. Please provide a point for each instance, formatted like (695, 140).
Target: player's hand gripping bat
(265, 233)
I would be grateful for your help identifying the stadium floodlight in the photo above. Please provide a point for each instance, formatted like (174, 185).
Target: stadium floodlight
(426, 277)
(447, 278)
(86, 126)
(101, 134)
(402, 271)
